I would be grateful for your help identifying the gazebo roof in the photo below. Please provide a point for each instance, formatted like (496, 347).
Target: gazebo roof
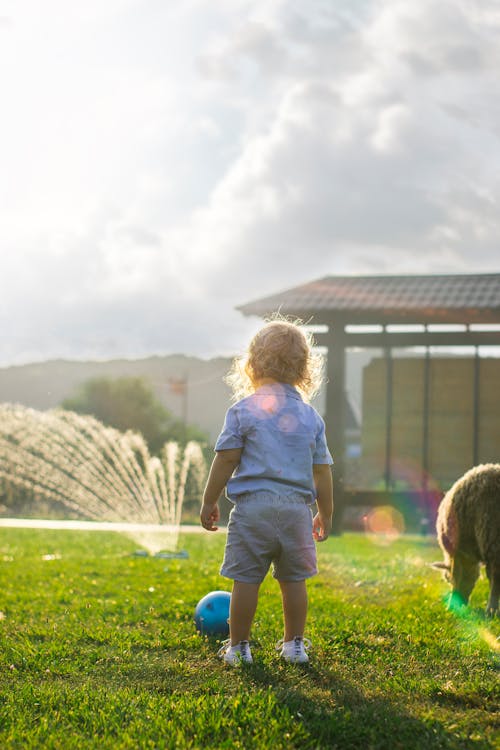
(458, 298)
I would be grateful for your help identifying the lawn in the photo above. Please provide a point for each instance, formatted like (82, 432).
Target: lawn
(99, 650)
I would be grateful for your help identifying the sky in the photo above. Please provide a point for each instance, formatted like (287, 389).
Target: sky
(163, 162)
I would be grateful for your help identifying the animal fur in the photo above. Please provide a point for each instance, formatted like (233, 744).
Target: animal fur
(468, 529)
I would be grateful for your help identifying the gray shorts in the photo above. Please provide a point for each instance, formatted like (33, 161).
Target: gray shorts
(266, 528)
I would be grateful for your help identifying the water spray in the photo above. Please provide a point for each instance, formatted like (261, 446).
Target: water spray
(98, 472)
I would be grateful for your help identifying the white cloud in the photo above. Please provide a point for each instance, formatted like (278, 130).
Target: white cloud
(367, 159)
(165, 162)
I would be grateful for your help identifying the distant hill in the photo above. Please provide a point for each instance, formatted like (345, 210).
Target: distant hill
(45, 385)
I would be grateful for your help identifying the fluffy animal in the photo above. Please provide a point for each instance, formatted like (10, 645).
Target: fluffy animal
(468, 529)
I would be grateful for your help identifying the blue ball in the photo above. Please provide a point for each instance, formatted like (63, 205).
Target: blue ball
(212, 613)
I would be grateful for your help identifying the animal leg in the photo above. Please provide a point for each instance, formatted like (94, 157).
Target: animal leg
(493, 572)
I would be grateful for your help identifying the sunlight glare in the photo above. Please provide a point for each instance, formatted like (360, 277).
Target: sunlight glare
(491, 640)
(385, 523)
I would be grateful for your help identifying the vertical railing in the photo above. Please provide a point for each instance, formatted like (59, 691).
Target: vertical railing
(388, 418)
(425, 420)
(476, 409)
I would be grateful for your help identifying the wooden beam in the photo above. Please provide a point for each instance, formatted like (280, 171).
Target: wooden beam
(425, 422)
(388, 419)
(476, 408)
(335, 419)
(424, 338)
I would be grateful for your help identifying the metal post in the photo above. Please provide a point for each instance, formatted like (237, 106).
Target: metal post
(425, 425)
(476, 415)
(335, 417)
(388, 419)
(185, 406)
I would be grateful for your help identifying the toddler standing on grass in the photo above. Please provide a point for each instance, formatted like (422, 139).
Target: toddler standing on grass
(273, 460)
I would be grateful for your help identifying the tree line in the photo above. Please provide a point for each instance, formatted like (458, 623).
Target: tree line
(129, 403)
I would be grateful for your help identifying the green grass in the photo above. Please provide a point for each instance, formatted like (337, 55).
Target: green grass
(99, 650)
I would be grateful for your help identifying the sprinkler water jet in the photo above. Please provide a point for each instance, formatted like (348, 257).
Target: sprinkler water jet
(105, 476)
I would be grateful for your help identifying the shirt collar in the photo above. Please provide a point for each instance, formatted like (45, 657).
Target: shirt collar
(284, 388)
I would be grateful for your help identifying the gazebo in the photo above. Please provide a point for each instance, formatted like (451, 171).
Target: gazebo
(389, 312)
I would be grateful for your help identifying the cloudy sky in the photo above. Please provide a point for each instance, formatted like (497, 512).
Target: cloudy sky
(163, 162)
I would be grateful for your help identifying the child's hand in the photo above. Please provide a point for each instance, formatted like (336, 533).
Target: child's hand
(209, 515)
(321, 527)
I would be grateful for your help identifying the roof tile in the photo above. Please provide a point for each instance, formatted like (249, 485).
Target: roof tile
(463, 297)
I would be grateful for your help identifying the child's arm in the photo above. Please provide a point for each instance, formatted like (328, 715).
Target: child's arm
(223, 465)
(322, 521)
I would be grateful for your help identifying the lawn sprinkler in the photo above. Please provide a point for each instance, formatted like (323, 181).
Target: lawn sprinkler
(211, 615)
(181, 555)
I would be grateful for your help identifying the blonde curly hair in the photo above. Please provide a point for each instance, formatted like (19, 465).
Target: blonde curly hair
(280, 350)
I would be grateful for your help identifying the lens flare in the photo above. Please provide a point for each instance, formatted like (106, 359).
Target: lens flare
(491, 640)
(385, 523)
(265, 404)
(269, 404)
(287, 423)
(466, 620)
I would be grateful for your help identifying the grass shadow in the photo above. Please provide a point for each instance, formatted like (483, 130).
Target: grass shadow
(346, 718)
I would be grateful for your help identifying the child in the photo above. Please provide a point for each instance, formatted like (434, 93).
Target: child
(273, 460)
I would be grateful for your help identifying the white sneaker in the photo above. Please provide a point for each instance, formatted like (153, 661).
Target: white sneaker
(238, 654)
(294, 651)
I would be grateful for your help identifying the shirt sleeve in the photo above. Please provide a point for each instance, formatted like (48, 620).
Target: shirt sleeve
(231, 436)
(321, 453)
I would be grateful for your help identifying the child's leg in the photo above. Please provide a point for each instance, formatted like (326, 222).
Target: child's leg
(242, 610)
(294, 597)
